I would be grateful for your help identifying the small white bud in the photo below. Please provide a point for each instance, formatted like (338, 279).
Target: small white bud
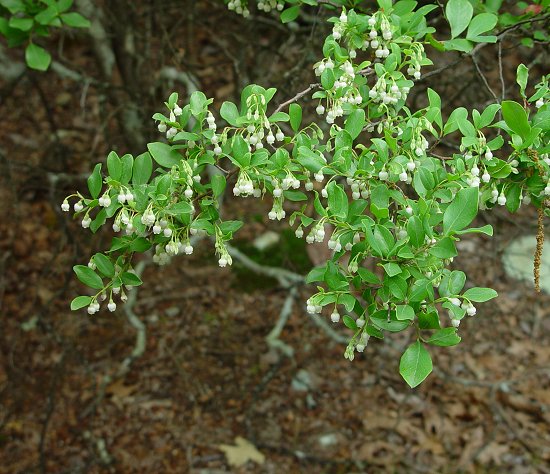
(65, 207)
(111, 306)
(335, 317)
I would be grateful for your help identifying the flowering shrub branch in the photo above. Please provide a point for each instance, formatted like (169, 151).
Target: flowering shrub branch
(373, 176)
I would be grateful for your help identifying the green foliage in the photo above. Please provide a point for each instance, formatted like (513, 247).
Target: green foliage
(23, 21)
(387, 197)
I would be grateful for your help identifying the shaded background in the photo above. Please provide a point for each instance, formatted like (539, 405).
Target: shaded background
(73, 398)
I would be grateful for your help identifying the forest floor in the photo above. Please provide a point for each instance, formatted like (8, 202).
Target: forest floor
(208, 376)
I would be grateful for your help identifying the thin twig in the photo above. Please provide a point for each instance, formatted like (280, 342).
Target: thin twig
(297, 97)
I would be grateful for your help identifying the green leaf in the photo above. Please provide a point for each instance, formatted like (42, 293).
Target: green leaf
(391, 326)
(458, 44)
(310, 160)
(114, 166)
(445, 248)
(367, 276)
(461, 212)
(127, 167)
(143, 168)
(480, 295)
(516, 118)
(164, 154)
(333, 278)
(218, 185)
(355, 123)
(316, 274)
(179, 209)
(328, 79)
(513, 197)
(486, 229)
(444, 337)
(392, 269)
(428, 320)
(241, 152)
(37, 57)
(87, 276)
(47, 16)
(337, 200)
(230, 113)
(480, 24)
(404, 312)
(75, 20)
(349, 322)
(95, 181)
(397, 286)
(483, 39)
(522, 75)
(131, 279)
(295, 113)
(380, 239)
(415, 365)
(80, 301)
(230, 227)
(173, 99)
(104, 265)
(198, 103)
(279, 117)
(488, 115)
(290, 14)
(140, 244)
(456, 282)
(295, 195)
(459, 13)
(23, 24)
(415, 231)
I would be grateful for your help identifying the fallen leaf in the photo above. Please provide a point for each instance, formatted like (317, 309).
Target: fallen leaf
(241, 453)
